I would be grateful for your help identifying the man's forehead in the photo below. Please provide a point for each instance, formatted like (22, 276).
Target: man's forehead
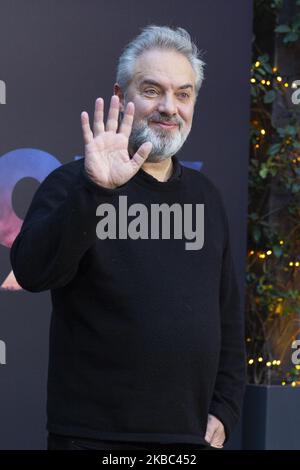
(163, 67)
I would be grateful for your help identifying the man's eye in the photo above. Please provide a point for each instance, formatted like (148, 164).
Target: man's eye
(184, 95)
(150, 91)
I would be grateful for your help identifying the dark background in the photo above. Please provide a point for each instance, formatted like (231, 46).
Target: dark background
(56, 58)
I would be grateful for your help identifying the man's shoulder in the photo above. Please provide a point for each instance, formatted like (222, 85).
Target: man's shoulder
(200, 180)
(66, 173)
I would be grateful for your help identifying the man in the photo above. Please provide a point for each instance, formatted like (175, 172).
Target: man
(146, 337)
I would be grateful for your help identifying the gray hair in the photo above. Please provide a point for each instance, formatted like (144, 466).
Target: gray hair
(161, 37)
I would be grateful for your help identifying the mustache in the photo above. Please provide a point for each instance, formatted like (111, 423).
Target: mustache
(160, 117)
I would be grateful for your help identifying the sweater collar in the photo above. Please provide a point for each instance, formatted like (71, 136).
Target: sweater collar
(142, 177)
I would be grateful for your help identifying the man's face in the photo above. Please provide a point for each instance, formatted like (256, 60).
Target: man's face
(163, 91)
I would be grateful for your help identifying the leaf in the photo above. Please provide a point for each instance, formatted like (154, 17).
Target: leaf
(273, 171)
(256, 233)
(295, 188)
(273, 149)
(291, 37)
(269, 96)
(281, 131)
(263, 172)
(291, 130)
(282, 28)
(277, 250)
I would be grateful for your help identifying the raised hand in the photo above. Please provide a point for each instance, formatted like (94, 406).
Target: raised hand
(107, 161)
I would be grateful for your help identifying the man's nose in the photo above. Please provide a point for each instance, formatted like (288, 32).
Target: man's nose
(167, 105)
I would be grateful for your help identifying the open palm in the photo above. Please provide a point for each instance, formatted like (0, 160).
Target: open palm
(107, 161)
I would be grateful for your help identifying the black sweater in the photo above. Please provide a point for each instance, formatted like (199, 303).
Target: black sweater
(146, 337)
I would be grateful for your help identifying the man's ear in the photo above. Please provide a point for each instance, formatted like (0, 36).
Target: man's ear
(118, 91)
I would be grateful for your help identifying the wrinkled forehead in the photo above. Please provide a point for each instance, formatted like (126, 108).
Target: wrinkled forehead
(165, 67)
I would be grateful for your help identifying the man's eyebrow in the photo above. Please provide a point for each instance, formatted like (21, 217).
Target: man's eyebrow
(153, 82)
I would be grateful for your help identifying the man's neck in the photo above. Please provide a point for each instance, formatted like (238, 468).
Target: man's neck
(162, 171)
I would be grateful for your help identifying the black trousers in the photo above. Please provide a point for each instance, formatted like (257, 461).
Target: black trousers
(60, 442)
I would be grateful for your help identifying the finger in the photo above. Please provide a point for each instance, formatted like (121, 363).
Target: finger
(113, 113)
(127, 121)
(86, 130)
(210, 429)
(140, 156)
(218, 438)
(98, 117)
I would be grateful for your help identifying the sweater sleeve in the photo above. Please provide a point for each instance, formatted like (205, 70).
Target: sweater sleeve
(59, 227)
(230, 382)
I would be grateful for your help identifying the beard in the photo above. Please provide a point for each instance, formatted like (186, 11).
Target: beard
(165, 142)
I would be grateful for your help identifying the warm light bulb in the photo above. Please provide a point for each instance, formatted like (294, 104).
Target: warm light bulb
(257, 63)
(250, 361)
(281, 242)
(262, 131)
(260, 359)
(268, 364)
(269, 252)
(252, 80)
(293, 384)
(279, 79)
(286, 85)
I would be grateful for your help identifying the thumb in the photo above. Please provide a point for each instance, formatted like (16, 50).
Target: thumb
(141, 155)
(210, 430)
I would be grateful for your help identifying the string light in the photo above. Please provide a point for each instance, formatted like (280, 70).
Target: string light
(291, 263)
(260, 359)
(268, 82)
(283, 382)
(297, 263)
(268, 364)
(253, 80)
(269, 252)
(263, 81)
(262, 131)
(257, 63)
(278, 78)
(274, 69)
(261, 255)
(293, 384)
(251, 252)
(281, 242)
(250, 361)
(286, 85)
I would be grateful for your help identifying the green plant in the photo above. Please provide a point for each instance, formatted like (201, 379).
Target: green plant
(273, 262)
